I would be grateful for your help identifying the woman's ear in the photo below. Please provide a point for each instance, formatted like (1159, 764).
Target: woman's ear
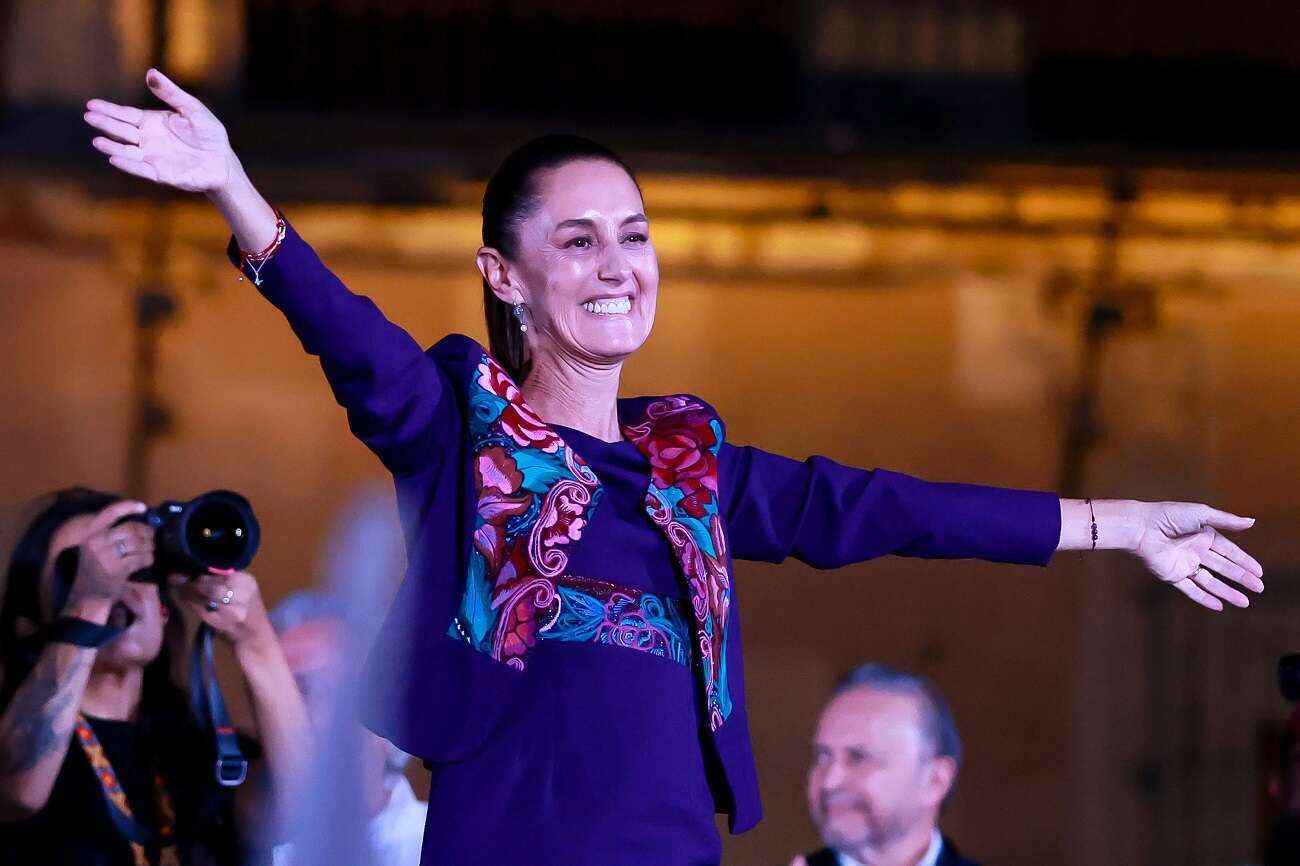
(496, 271)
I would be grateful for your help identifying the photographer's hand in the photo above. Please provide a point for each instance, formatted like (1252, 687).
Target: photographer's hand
(109, 556)
(36, 725)
(232, 605)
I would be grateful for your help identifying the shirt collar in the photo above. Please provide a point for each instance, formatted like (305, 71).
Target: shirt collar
(931, 857)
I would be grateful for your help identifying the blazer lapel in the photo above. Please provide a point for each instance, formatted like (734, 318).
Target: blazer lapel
(535, 496)
(680, 437)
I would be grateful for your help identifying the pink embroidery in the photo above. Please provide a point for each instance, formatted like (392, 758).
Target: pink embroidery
(518, 419)
(679, 437)
(520, 533)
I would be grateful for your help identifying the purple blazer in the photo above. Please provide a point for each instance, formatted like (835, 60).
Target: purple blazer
(493, 501)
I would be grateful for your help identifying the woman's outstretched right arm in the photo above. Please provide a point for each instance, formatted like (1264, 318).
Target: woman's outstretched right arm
(392, 391)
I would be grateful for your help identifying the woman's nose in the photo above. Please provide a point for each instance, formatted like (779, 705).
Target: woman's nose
(613, 265)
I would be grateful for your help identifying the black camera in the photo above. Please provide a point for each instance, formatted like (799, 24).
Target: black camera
(214, 531)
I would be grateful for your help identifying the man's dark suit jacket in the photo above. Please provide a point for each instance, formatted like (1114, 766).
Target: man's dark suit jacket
(949, 856)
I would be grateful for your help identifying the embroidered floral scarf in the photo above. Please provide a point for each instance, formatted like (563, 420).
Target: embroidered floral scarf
(535, 497)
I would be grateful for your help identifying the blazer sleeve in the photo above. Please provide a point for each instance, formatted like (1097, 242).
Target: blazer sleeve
(829, 515)
(395, 395)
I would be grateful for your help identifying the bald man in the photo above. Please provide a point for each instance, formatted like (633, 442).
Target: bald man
(885, 758)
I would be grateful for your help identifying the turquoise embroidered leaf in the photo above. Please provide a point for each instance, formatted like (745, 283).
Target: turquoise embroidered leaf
(485, 406)
(540, 470)
(476, 608)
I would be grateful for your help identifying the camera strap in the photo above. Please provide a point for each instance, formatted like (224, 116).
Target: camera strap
(210, 707)
(119, 809)
(80, 632)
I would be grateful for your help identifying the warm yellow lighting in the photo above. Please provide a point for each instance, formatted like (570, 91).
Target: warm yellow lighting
(963, 204)
(818, 246)
(1183, 209)
(727, 195)
(1045, 205)
(189, 39)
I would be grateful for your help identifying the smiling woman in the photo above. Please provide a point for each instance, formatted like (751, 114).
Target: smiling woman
(565, 648)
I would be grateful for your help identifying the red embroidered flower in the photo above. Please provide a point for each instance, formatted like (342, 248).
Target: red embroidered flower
(519, 421)
(680, 457)
(522, 631)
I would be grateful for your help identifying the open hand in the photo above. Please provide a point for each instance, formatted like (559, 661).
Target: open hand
(1182, 544)
(185, 147)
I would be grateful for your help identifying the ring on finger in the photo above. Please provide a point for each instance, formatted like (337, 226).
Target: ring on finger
(228, 597)
(121, 548)
(212, 605)
(1198, 570)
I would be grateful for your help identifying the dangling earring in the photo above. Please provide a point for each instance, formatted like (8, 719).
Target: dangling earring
(519, 314)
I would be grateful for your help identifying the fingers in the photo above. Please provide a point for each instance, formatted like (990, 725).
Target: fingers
(1233, 571)
(124, 113)
(133, 562)
(167, 90)
(131, 538)
(109, 147)
(1209, 582)
(1226, 520)
(137, 167)
(213, 587)
(1231, 551)
(112, 514)
(1188, 588)
(122, 131)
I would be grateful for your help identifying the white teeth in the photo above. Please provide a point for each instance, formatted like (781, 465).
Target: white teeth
(620, 305)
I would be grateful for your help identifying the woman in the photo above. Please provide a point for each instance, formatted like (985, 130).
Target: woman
(101, 760)
(565, 648)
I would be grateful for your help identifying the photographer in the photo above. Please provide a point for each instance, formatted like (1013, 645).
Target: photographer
(102, 760)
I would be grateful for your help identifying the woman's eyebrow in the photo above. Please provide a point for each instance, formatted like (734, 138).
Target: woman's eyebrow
(583, 222)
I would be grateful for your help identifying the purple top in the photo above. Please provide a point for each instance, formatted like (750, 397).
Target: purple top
(588, 750)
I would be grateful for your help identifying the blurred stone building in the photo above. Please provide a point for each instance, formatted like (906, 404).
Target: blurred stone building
(1005, 308)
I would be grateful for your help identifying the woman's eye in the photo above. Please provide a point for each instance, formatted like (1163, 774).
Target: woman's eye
(579, 243)
(635, 238)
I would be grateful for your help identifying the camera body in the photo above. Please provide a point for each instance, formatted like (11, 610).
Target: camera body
(214, 531)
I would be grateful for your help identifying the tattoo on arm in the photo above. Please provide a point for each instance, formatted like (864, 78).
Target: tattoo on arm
(31, 727)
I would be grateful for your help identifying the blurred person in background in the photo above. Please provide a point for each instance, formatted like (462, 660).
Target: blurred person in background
(565, 648)
(102, 760)
(312, 634)
(1283, 844)
(885, 759)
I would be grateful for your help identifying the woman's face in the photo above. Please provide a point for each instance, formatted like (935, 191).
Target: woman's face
(586, 266)
(140, 605)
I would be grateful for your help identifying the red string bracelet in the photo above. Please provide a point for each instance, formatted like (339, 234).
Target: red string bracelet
(256, 261)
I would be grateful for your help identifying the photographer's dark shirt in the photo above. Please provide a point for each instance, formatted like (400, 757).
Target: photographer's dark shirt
(76, 828)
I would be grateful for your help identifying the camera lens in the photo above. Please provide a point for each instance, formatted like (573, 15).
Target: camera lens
(218, 533)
